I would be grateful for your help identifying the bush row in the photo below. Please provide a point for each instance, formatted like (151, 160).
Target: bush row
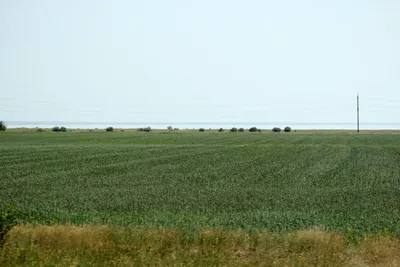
(148, 129)
(277, 129)
(252, 129)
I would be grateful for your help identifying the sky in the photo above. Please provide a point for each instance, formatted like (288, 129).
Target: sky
(199, 61)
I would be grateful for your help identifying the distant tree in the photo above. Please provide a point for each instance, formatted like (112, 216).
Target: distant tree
(253, 129)
(241, 130)
(234, 130)
(55, 129)
(109, 129)
(220, 130)
(3, 126)
(176, 129)
(169, 128)
(40, 130)
(63, 129)
(287, 129)
(259, 130)
(276, 129)
(201, 130)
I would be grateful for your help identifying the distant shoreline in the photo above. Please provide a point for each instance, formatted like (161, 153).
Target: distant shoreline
(337, 126)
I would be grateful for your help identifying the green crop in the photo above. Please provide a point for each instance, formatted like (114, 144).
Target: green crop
(278, 182)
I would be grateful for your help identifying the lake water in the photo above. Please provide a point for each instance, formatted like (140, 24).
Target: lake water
(206, 125)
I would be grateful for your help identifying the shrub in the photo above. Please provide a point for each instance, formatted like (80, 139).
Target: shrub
(220, 130)
(109, 129)
(287, 129)
(276, 129)
(55, 129)
(146, 129)
(7, 221)
(259, 130)
(253, 129)
(3, 126)
(40, 130)
(63, 129)
(201, 130)
(176, 129)
(234, 130)
(241, 130)
(169, 128)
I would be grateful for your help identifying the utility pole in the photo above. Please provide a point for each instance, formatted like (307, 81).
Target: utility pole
(358, 113)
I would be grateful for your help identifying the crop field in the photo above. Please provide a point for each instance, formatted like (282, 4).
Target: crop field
(201, 199)
(278, 182)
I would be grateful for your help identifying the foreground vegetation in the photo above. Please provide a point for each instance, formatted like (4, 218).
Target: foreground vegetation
(107, 246)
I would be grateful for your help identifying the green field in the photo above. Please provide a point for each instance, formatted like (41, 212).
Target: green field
(279, 182)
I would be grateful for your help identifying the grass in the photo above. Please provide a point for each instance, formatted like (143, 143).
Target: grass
(107, 246)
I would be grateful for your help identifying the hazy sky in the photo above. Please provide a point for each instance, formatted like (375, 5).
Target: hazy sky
(199, 61)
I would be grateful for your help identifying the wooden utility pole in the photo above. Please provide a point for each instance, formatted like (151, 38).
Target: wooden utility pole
(358, 113)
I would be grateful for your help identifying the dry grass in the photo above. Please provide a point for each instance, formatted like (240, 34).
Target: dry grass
(105, 246)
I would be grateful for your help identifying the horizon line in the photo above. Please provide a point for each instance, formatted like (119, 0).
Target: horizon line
(193, 123)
